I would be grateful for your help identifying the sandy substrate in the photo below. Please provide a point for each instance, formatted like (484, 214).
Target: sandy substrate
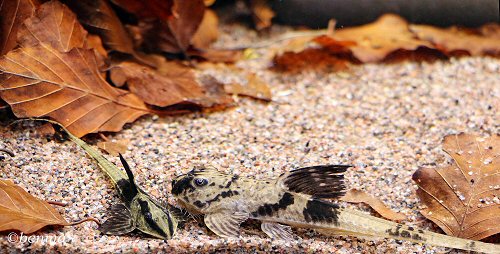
(387, 120)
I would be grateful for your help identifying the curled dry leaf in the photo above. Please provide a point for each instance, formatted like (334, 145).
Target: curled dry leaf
(12, 15)
(114, 147)
(161, 9)
(463, 199)
(170, 84)
(19, 210)
(311, 58)
(99, 18)
(262, 13)
(254, 87)
(373, 42)
(208, 31)
(358, 196)
(454, 39)
(174, 35)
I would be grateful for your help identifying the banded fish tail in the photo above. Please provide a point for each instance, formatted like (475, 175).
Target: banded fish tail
(351, 222)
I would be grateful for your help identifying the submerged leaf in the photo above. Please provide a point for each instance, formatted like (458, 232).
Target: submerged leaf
(454, 39)
(12, 15)
(254, 87)
(358, 196)
(19, 210)
(114, 147)
(170, 84)
(71, 91)
(373, 42)
(462, 199)
(54, 24)
(175, 35)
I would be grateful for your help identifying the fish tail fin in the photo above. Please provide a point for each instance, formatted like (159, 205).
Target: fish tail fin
(362, 224)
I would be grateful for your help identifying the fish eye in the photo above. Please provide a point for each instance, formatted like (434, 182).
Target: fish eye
(200, 181)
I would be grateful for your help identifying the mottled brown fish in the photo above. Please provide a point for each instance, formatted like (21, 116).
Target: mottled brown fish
(293, 199)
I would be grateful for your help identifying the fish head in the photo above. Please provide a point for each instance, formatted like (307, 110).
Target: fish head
(200, 188)
(151, 218)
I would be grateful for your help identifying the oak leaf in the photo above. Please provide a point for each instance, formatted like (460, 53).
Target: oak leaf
(463, 199)
(454, 39)
(12, 15)
(20, 211)
(358, 196)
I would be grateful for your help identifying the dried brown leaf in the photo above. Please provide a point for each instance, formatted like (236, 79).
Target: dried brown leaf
(114, 147)
(19, 210)
(170, 84)
(254, 87)
(55, 25)
(262, 13)
(207, 32)
(462, 199)
(358, 196)
(161, 9)
(99, 18)
(376, 40)
(175, 35)
(311, 58)
(66, 86)
(491, 30)
(454, 39)
(12, 15)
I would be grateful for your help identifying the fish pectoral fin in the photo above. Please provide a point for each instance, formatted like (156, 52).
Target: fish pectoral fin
(277, 231)
(119, 222)
(323, 181)
(225, 224)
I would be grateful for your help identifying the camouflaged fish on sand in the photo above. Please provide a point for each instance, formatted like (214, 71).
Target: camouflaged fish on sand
(294, 199)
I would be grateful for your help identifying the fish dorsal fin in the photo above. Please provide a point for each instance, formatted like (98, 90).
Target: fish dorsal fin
(225, 224)
(119, 222)
(323, 181)
(131, 180)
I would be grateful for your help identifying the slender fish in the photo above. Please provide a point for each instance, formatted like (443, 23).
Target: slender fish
(294, 199)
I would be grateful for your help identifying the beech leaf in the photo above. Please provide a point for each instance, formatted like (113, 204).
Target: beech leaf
(175, 35)
(358, 196)
(99, 18)
(20, 211)
(462, 199)
(454, 39)
(373, 42)
(54, 24)
(114, 147)
(170, 84)
(40, 81)
(12, 15)
(161, 9)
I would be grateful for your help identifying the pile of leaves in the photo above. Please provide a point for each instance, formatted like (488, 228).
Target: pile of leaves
(84, 66)
(387, 39)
